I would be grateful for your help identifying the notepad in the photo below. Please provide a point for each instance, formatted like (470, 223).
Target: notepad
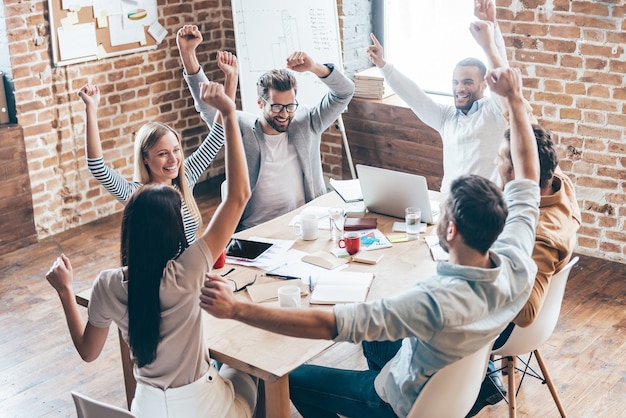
(438, 253)
(341, 287)
(324, 259)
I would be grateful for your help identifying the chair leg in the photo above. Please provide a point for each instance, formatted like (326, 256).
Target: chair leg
(546, 376)
(510, 368)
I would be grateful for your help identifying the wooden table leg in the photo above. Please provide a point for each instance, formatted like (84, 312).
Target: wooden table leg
(277, 398)
(127, 369)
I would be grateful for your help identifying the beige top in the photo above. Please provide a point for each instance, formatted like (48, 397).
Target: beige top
(182, 356)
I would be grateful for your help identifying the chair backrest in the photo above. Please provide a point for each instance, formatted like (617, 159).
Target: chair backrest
(90, 408)
(527, 339)
(452, 391)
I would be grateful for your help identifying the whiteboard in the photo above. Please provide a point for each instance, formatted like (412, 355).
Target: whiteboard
(267, 32)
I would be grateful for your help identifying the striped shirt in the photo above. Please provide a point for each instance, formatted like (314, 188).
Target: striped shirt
(195, 165)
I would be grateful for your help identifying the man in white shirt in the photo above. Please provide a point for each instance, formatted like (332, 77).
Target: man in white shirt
(472, 129)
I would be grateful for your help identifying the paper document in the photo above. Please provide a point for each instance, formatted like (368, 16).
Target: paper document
(349, 190)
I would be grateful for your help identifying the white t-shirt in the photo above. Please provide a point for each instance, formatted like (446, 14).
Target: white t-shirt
(280, 187)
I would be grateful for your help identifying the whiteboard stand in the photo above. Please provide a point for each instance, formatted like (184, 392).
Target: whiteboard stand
(346, 146)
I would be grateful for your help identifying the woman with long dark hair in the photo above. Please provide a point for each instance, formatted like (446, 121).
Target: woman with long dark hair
(153, 297)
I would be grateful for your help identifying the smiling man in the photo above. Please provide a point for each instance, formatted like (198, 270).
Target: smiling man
(472, 129)
(283, 144)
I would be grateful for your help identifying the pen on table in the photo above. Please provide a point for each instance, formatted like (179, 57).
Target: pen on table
(310, 283)
(228, 272)
(282, 276)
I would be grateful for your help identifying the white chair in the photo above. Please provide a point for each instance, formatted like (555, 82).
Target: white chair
(451, 392)
(90, 408)
(529, 339)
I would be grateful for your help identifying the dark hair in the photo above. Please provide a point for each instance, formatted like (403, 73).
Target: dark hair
(152, 234)
(279, 80)
(548, 158)
(477, 207)
(474, 62)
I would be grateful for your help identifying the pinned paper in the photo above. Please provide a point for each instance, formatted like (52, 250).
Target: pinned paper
(103, 21)
(157, 31)
(101, 52)
(69, 20)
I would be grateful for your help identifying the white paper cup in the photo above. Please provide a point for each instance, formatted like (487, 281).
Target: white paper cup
(289, 296)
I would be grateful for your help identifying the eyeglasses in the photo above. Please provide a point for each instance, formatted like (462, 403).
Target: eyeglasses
(277, 108)
(239, 289)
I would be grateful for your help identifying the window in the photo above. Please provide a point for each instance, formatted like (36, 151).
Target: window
(425, 39)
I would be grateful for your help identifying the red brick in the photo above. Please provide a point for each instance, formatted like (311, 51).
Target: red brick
(587, 242)
(564, 31)
(599, 158)
(605, 105)
(589, 8)
(617, 147)
(593, 22)
(610, 247)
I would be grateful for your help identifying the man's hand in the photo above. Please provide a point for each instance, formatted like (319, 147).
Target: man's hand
(485, 10)
(482, 31)
(299, 61)
(90, 94)
(61, 274)
(506, 82)
(213, 94)
(188, 38)
(375, 52)
(217, 298)
(227, 62)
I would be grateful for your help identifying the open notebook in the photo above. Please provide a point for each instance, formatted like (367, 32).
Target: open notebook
(341, 287)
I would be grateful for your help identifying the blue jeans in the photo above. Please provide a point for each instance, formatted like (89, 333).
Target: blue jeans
(320, 392)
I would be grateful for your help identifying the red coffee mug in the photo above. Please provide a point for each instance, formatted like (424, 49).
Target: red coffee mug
(351, 242)
(221, 261)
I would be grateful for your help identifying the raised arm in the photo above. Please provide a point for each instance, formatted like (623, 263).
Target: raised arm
(187, 39)
(228, 213)
(217, 299)
(483, 33)
(300, 62)
(87, 339)
(90, 95)
(375, 52)
(507, 82)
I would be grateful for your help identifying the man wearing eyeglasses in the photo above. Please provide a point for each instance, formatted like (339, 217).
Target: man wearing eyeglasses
(283, 144)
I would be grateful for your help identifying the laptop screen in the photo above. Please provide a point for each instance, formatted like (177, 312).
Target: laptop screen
(390, 192)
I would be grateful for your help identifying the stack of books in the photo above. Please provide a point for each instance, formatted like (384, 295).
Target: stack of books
(370, 84)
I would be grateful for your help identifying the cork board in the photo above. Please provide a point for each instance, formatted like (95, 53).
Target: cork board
(78, 36)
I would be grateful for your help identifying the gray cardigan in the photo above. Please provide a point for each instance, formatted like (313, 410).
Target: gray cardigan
(304, 132)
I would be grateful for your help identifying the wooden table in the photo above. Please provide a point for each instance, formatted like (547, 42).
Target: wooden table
(271, 357)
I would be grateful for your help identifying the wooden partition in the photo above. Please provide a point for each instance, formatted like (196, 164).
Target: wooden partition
(387, 134)
(17, 226)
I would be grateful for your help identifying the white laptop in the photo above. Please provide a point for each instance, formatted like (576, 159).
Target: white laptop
(390, 192)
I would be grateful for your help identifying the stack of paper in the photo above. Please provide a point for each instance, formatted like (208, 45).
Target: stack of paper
(370, 84)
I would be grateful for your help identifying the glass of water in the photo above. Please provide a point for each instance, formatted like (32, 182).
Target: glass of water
(336, 217)
(413, 218)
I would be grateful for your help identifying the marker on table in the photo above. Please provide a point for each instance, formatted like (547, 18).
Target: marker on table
(282, 276)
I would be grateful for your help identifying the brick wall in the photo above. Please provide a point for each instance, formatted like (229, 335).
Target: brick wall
(136, 88)
(571, 53)
(572, 56)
